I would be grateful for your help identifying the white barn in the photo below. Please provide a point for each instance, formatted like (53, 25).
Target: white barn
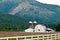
(40, 28)
(29, 30)
(34, 27)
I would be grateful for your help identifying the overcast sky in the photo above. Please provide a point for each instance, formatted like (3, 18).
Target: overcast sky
(55, 2)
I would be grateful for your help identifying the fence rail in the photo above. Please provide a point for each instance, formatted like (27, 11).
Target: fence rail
(34, 37)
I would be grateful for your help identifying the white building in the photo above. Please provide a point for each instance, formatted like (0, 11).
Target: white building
(35, 27)
(40, 28)
(29, 30)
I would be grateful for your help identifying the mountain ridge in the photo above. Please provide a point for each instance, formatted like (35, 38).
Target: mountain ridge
(32, 10)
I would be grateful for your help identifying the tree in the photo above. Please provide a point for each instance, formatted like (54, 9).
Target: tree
(58, 27)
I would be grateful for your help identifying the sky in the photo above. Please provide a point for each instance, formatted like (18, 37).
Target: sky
(54, 2)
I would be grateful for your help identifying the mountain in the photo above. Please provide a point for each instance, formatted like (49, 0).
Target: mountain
(31, 10)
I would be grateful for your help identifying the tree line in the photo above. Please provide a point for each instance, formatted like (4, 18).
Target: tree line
(21, 28)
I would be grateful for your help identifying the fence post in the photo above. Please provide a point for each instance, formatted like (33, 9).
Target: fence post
(43, 37)
(7, 39)
(38, 37)
(25, 38)
(58, 36)
(55, 36)
(17, 38)
(31, 37)
(51, 36)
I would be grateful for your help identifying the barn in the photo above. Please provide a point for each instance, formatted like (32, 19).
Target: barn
(35, 27)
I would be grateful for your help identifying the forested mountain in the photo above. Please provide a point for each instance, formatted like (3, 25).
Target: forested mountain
(31, 9)
(19, 12)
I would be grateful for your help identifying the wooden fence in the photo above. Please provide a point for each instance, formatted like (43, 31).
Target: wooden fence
(34, 37)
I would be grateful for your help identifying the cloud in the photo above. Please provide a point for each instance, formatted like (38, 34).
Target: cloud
(54, 2)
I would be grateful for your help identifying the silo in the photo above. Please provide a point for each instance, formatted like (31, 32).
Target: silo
(30, 24)
(34, 24)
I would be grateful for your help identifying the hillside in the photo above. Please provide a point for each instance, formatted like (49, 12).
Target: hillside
(12, 23)
(15, 14)
(32, 10)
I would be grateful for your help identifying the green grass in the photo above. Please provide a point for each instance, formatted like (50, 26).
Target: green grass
(12, 39)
